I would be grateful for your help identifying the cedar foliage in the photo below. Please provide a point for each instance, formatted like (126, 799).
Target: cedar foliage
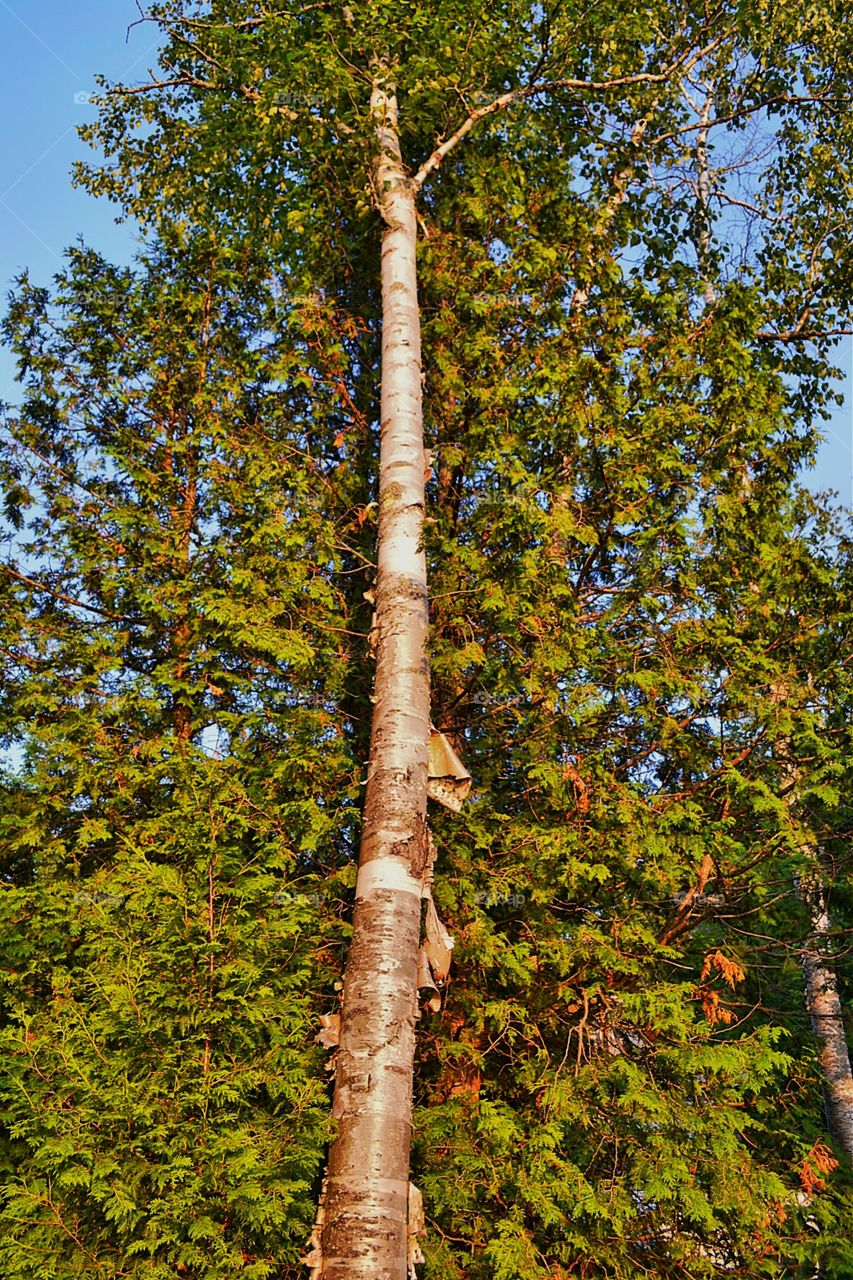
(184, 805)
(624, 573)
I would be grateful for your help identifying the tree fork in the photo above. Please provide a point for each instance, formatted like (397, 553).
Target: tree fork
(366, 1205)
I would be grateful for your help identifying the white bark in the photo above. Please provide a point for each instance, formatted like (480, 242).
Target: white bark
(703, 196)
(823, 1003)
(366, 1208)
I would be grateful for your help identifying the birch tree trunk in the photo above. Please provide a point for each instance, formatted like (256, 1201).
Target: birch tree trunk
(823, 1001)
(364, 1231)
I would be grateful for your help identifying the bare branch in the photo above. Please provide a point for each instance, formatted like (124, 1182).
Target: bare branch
(802, 335)
(618, 196)
(683, 63)
(58, 595)
(180, 82)
(724, 197)
(741, 113)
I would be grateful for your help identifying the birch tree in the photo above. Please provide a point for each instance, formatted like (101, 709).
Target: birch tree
(365, 1230)
(820, 975)
(825, 1008)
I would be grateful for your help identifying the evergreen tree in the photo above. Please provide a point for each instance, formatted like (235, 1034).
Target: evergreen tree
(176, 833)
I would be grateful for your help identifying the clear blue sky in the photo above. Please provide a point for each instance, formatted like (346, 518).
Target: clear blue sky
(50, 51)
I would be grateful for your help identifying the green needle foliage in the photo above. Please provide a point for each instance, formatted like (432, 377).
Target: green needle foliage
(628, 327)
(182, 804)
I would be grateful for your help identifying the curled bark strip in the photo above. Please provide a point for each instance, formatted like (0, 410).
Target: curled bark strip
(417, 1227)
(314, 1257)
(429, 869)
(329, 1035)
(426, 983)
(439, 943)
(449, 780)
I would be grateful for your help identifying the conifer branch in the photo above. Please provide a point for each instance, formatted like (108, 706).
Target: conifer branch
(59, 595)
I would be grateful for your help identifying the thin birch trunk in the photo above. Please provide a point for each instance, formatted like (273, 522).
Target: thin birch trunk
(823, 1001)
(703, 197)
(365, 1211)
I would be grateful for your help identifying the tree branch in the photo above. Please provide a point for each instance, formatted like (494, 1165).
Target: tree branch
(58, 595)
(681, 64)
(618, 196)
(181, 82)
(802, 335)
(776, 99)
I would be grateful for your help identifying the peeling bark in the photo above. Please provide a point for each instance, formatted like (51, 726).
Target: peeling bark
(365, 1229)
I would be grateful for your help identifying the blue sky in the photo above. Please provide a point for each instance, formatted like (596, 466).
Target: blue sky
(50, 51)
